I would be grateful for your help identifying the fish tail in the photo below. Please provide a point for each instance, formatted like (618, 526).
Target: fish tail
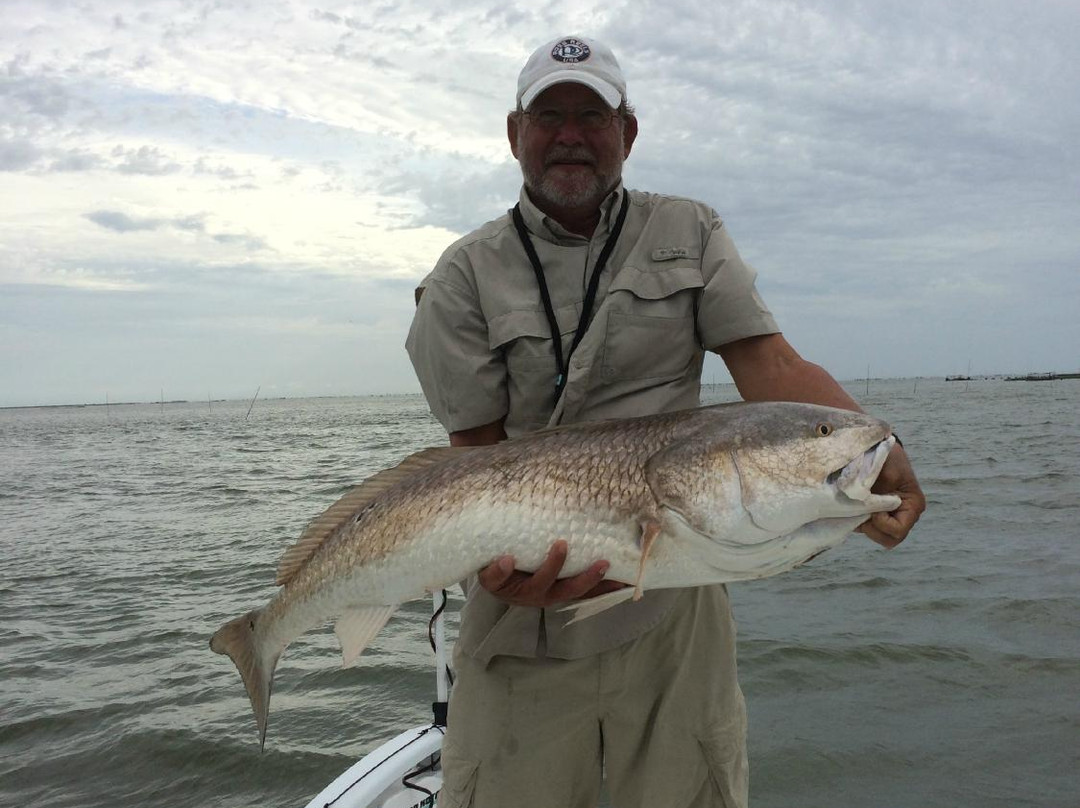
(240, 639)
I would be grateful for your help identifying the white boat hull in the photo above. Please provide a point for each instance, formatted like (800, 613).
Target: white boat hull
(402, 773)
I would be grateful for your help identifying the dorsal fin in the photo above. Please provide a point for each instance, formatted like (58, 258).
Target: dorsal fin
(352, 502)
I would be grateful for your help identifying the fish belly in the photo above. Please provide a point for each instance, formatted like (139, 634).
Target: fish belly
(451, 549)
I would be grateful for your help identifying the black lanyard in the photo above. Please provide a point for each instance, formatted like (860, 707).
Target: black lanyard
(561, 368)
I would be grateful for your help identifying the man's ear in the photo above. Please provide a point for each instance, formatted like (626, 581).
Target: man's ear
(513, 121)
(629, 134)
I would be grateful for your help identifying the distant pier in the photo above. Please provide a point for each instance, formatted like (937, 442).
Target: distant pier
(1026, 377)
(1042, 377)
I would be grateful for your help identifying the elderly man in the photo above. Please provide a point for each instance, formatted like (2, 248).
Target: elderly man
(590, 301)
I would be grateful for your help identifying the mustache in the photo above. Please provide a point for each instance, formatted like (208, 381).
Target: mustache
(568, 154)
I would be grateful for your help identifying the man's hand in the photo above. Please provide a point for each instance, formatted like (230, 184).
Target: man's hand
(544, 588)
(897, 477)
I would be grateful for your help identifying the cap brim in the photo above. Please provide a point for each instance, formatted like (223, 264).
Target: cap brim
(612, 97)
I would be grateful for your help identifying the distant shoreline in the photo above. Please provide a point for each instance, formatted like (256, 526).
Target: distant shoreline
(950, 378)
(159, 403)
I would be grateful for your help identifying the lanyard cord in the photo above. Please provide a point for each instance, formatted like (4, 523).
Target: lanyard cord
(562, 368)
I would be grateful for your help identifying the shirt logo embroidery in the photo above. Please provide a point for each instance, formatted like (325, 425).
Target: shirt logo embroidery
(669, 253)
(570, 51)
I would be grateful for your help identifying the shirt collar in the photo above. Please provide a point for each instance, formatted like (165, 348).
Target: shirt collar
(543, 226)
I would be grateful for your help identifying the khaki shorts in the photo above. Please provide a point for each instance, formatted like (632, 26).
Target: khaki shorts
(662, 719)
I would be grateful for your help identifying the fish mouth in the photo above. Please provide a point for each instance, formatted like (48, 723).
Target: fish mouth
(855, 479)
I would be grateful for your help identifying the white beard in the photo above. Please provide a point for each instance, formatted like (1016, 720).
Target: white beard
(585, 190)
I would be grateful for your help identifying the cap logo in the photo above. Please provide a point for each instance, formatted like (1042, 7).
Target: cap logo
(570, 51)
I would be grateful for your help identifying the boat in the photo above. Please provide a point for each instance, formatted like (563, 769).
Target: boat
(406, 770)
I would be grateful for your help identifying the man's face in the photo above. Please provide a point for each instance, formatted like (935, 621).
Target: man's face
(570, 166)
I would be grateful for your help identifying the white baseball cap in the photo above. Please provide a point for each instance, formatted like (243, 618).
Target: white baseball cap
(572, 59)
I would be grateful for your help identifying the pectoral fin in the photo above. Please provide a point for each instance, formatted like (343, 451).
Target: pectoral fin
(358, 627)
(601, 603)
(650, 529)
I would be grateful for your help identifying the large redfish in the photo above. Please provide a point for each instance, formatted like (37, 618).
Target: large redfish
(696, 497)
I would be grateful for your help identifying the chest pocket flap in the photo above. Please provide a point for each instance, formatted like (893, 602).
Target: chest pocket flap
(524, 338)
(651, 325)
(659, 281)
(513, 325)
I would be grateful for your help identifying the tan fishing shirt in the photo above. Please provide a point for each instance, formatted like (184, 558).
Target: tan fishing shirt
(480, 342)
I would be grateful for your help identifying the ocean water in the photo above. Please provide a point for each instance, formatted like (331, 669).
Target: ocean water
(943, 673)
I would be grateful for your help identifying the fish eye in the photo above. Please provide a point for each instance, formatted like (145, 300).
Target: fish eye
(823, 430)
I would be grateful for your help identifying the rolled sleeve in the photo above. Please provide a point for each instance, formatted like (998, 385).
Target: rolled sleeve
(730, 308)
(463, 379)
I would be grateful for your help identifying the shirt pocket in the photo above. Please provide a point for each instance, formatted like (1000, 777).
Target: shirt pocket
(524, 339)
(651, 323)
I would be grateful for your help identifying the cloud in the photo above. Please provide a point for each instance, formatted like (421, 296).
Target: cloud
(15, 155)
(203, 166)
(196, 223)
(460, 196)
(225, 329)
(147, 160)
(907, 173)
(31, 96)
(121, 222)
(328, 16)
(76, 160)
(247, 241)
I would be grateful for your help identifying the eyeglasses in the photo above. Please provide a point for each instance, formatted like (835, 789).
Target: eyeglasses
(591, 119)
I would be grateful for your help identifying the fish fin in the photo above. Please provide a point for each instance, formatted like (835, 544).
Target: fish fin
(665, 473)
(238, 639)
(358, 627)
(650, 529)
(583, 609)
(349, 506)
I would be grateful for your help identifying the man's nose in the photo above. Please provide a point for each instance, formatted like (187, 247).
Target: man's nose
(570, 132)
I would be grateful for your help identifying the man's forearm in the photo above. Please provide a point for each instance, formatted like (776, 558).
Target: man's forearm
(802, 381)
(767, 368)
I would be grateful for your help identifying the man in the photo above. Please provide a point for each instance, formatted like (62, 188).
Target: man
(636, 286)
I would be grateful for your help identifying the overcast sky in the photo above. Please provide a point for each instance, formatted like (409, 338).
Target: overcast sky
(207, 198)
